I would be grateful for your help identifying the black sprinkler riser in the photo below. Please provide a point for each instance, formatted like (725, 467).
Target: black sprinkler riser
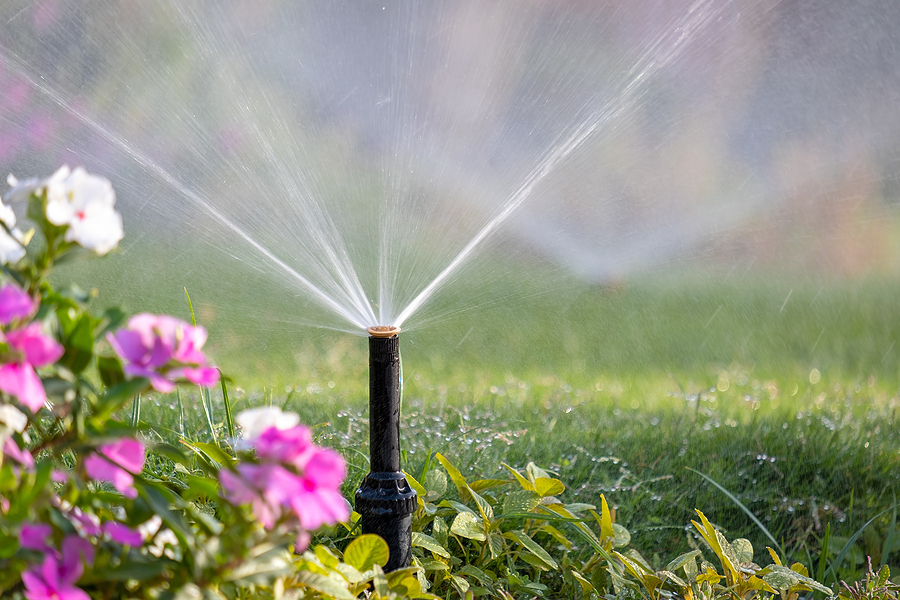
(384, 500)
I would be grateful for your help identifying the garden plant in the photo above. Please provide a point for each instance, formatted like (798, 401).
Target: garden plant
(96, 504)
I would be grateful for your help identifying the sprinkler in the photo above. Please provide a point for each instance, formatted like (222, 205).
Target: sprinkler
(385, 500)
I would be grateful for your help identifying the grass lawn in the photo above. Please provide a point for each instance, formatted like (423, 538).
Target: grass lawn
(784, 394)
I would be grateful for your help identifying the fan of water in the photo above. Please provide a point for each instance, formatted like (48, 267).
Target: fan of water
(350, 160)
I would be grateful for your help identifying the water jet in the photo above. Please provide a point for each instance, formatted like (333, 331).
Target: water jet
(385, 499)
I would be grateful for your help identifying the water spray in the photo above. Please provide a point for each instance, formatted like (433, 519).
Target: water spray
(385, 500)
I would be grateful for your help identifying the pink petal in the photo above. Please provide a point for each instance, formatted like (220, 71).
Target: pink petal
(284, 445)
(20, 380)
(35, 588)
(326, 468)
(100, 468)
(128, 453)
(74, 549)
(87, 524)
(39, 349)
(236, 488)
(128, 345)
(15, 303)
(34, 537)
(206, 376)
(23, 457)
(122, 534)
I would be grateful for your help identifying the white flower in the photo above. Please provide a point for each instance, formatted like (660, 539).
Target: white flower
(11, 242)
(22, 190)
(85, 203)
(256, 420)
(13, 418)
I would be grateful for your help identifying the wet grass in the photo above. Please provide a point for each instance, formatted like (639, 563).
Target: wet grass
(785, 395)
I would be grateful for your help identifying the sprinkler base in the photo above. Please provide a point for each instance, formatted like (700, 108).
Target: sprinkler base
(386, 502)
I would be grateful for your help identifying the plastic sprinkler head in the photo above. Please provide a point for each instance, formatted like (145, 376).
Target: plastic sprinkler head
(385, 499)
(383, 331)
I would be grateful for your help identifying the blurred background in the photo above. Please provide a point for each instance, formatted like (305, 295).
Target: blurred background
(652, 184)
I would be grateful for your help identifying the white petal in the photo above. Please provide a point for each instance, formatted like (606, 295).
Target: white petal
(10, 250)
(99, 230)
(13, 417)
(256, 420)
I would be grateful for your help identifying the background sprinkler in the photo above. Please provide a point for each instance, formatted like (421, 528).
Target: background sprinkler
(385, 500)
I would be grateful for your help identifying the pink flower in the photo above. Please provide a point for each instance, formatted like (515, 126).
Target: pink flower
(56, 577)
(318, 501)
(122, 534)
(12, 450)
(15, 304)
(284, 445)
(164, 350)
(119, 462)
(264, 487)
(36, 348)
(19, 378)
(296, 475)
(86, 524)
(34, 537)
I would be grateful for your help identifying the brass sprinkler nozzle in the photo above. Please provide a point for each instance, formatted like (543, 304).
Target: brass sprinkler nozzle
(383, 331)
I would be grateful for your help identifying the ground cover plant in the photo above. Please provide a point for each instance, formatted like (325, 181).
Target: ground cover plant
(131, 470)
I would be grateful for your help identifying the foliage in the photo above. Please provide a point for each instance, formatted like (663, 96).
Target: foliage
(85, 512)
(874, 587)
(95, 504)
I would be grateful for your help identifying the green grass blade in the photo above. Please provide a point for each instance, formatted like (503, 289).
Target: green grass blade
(180, 413)
(823, 554)
(229, 417)
(136, 411)
(740, 505)
(207, 411)
(889, 538)
(191, 307)
(832, 570)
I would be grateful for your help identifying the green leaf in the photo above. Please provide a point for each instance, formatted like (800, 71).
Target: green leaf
(429, 543)
(535, 472)
(456, 477)
(781, 574)
(467, 525)
(323, 585)
(134, 570)
(440, 531)
(415, 485)
(458, 506)
(606, 528)
(682, 560)
(535, 549)
(111, 372)
(482, 577)
(435, 483)
(546, 486)
(112, 318)
(461, 585)
(366, 551)
(78, 344)
(487, 513)
(587, 588)
(215, 454)
(486, 484)
(526, 485)
(521, 501)
(431, 564)
(116, 397)
(495, 543)
(326, 556)
(621, 536)
(199, 487)
(743, 550)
